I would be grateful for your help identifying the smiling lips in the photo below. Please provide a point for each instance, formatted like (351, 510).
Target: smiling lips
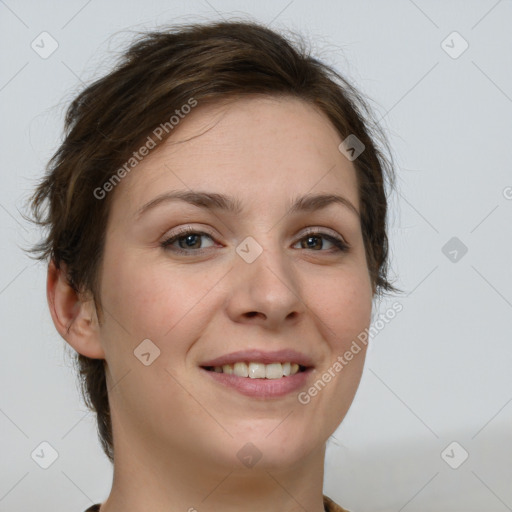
(260, 373)
(254, 363)
(258, 370)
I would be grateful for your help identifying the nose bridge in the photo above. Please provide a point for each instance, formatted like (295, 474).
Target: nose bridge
(265, 282)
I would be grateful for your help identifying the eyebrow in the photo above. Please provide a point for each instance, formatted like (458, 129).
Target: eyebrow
(215, 201)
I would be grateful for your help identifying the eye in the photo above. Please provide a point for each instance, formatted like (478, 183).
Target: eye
(189, 240)
(313, 239)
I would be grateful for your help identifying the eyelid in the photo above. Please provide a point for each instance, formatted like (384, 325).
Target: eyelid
(333, 237)
(184, 231)
(328, 234)
(310, 230)
(317, 230)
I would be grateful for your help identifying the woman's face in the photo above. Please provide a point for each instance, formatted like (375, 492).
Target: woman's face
(267, 278)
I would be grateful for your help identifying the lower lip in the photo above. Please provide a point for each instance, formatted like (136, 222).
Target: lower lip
(262, 388)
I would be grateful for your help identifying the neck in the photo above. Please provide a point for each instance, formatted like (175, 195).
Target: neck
(146, 479)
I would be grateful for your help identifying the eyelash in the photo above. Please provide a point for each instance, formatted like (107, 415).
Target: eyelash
(340, 245)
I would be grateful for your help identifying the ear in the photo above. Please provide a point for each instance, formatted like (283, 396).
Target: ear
(75, 318)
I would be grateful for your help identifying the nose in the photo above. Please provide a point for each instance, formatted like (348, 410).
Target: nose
(265, 291)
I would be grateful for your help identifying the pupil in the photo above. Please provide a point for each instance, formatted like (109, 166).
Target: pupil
(188, 239)
(310, 239)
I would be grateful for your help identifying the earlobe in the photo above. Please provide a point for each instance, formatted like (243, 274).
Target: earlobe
(74, 318)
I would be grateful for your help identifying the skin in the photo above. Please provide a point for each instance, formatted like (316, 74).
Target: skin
(176, 433)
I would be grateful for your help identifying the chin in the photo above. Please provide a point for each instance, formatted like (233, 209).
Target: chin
(267, 450)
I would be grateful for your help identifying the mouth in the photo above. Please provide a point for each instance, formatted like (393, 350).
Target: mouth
(260, 374)
(258, 370)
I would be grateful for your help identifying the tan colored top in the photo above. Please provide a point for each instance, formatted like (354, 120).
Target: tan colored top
(329, 506)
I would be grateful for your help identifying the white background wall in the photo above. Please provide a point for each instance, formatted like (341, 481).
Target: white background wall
(438, 373)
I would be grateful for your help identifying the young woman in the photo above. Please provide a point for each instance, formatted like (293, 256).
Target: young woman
(216, 236)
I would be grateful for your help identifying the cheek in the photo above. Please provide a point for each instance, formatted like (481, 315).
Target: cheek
(154, 300)
(343, 307)
(342, 303)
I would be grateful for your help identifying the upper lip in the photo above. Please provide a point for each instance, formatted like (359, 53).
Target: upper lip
(261, 356)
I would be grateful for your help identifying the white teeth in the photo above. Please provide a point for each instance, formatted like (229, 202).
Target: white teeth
(256, 370)
(227, 368)
(241, 370)
(259, 370)
(273, 371)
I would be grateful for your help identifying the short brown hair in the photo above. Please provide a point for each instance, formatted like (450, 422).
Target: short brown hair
(158, 74)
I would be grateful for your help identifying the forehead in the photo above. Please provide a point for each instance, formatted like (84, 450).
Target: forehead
(256, 149)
